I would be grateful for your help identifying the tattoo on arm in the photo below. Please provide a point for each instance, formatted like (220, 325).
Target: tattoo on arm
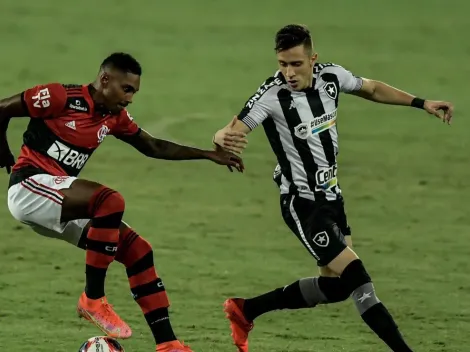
(162, 149)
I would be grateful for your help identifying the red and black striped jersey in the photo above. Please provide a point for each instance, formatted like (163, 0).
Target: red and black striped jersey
(65, 129)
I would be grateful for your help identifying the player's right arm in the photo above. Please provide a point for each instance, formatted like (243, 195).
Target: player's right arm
(232, 137)
(38, 102)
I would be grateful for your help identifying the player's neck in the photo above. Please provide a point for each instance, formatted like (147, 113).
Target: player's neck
(310, 82)
(95, 94)
(98, 99)
(308, 86)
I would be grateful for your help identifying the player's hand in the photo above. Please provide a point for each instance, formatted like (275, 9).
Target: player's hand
(228, 159)
(441, 109)
(232, 141)
(7, 160)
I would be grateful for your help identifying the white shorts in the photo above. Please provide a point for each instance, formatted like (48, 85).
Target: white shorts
(37, 202)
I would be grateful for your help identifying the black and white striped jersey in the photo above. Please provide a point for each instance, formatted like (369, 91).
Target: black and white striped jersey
(302, 128)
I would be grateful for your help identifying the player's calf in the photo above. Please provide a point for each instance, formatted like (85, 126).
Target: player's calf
(106, 208)
(147, 288)
(357, 282)
(304, 293)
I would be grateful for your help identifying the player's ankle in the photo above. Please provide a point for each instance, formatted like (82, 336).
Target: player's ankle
(95, 280)
(160, 325)
(93, 298)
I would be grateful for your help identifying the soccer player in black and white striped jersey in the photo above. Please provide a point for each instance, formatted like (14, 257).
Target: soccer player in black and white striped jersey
(297, 107)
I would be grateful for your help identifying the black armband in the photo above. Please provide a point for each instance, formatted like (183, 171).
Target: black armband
(417, 103)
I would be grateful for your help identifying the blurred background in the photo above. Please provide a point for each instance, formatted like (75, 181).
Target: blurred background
(215, 234)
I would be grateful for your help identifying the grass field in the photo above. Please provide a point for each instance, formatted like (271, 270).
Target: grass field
(404, 174)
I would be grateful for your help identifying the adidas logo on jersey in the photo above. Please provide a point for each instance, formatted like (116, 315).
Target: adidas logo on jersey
(71, 125)
(67, 156)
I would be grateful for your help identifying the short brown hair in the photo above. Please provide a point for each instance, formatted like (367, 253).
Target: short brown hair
(291, 36)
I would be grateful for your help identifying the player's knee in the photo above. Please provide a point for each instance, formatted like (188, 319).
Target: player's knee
(106, 208)
(113, 199)
(359, 285)
(354, 276)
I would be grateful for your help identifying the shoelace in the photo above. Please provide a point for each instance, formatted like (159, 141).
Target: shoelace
(108, 308)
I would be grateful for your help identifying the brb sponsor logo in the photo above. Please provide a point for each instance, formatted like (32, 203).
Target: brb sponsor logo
(315, 126)
(326, 178)
(41, 100)
(67, 156)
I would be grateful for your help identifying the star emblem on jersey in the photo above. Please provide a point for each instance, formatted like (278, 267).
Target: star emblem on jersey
(321, 239)
(364, 297)
(102, 133)
(331, 90)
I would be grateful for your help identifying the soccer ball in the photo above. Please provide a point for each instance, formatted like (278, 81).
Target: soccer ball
(101, 344)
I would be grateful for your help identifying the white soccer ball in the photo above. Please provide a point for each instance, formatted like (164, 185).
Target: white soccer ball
(101, 344)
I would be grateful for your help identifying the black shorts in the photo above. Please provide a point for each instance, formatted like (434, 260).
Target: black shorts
(320, 226)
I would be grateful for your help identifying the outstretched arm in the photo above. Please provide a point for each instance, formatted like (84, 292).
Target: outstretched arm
(257, 109)
(232, 137)
(166, 150)
(383, 93)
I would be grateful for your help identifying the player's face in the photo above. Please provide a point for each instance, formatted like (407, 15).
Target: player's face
(119, 89)
(296, 64)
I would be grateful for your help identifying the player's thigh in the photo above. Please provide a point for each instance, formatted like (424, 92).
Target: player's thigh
(77, 198)
(315, 225)
(340, 262)
(325, 270)
(38, 201)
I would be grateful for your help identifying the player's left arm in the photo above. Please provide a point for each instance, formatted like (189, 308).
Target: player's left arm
(381, 92)
(156, 148)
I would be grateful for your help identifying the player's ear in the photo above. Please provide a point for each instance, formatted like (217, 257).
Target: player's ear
(313, 58)
(104, 78)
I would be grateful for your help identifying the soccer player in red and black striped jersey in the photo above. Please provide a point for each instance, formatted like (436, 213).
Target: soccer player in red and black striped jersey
(67, 124)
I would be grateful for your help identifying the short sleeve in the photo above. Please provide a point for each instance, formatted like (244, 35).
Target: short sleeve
(44, 101)
(259, 106)
(126, 126)
(348, 82)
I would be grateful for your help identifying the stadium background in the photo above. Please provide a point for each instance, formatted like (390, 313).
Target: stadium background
(216, 234)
